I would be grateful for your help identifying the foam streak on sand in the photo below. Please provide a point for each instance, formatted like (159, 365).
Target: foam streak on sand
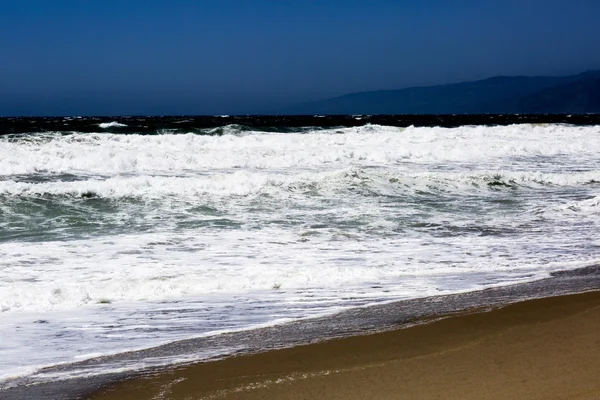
(114, 242)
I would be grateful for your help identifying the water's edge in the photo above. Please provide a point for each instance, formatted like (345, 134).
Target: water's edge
(352, 322)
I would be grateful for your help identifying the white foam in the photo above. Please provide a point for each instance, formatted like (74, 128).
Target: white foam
(369, 145)
(245, 183)
(112, 124)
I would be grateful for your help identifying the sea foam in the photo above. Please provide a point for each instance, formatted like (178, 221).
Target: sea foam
(368, 145)
(112, 124)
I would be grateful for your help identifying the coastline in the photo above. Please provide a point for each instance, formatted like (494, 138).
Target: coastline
(354, 323)
(545, 348)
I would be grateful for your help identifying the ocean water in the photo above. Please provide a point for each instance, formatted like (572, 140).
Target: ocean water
(113, 242)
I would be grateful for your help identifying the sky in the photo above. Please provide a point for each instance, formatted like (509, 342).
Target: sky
(124, 57)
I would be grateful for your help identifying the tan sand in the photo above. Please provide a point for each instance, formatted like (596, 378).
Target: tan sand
(538, 349)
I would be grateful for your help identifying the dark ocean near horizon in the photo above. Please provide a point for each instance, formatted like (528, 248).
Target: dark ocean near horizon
(122, 234)
(212, 125)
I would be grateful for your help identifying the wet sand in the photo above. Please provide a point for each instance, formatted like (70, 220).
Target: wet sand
(538, 349)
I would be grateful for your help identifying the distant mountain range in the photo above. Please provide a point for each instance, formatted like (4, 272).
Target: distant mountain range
(498, 95)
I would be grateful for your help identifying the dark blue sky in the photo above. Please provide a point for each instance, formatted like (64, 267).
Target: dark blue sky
(227, 57)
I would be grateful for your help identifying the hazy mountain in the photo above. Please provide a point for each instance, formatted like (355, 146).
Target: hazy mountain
(576, 97)
(502, 94)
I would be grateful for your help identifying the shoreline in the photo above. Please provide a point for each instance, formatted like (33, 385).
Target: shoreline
(353, 323)
(536, 349)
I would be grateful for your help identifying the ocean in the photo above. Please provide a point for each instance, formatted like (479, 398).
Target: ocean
(124, 234)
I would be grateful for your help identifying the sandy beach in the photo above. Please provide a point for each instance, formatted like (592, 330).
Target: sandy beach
(538, 349)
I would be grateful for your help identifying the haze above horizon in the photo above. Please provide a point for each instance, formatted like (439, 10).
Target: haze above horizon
(242, 57)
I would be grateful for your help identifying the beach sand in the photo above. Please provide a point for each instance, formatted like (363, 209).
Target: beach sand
(538, 349)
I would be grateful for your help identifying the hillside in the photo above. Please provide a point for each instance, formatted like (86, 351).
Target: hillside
(502, 94)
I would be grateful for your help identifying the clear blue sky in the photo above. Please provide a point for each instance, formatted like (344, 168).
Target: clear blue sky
(226, 56)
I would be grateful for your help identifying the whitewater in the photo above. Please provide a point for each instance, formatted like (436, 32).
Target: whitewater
(116, 242)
